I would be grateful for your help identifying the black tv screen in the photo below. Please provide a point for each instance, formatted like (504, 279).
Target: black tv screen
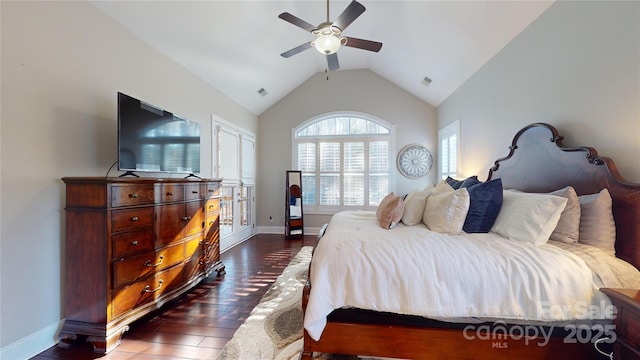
(151, 139)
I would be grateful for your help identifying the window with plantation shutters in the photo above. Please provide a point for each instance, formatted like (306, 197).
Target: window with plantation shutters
(448, 138)
(344, 161)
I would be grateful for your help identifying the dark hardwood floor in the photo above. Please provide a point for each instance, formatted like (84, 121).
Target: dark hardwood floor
(200, 323)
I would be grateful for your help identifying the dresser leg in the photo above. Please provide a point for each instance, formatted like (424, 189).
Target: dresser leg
(95, 335)
(103, 345)
(220, 270)
(66, 340)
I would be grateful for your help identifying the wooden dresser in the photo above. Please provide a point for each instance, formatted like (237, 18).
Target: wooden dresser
(131, 246)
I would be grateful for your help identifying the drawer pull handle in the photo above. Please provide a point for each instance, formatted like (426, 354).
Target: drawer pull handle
(133, 196)
(135, 218)
(147, 288)
(169, 193)
(149, 264)
(134, 243)
(186, 218)
(194, 191)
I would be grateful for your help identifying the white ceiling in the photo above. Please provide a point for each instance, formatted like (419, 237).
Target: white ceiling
(236, 45)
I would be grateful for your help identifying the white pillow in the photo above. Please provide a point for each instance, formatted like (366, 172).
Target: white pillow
(528, 217)
(442, 187)
(568, 228)
(597, 227)
(414, 205)
(446, 212)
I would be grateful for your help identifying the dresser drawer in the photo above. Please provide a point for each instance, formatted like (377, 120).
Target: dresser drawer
(213, 205)
(128, 195)
(170, 193)
(192, 192)
(212, 221)
(628, 354)
(132, 242)
(191, 248)
(193, 268)
(133, 296)
(169, 256)
(630, 327)
(133, 268)
(131, 219)
(194, 220)
(212, 189)
(211, 249)
(170, 279)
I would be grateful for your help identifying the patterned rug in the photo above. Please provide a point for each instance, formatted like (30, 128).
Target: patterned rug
(273, 330)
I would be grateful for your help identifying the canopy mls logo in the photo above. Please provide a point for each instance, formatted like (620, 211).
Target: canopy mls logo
(597, 330)
(499, 334)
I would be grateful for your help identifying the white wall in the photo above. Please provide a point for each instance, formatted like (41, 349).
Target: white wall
(62, 65)
(353, 90)
(576, 67)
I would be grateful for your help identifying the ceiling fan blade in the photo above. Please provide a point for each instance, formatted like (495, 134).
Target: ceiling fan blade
(332, 62)
(363, 44)
(295, 50)
(296, 21)
(349, 14)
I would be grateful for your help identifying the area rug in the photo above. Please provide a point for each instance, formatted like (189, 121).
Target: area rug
(273, 330)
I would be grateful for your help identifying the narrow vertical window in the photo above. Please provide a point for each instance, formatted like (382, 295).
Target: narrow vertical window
(449, 144)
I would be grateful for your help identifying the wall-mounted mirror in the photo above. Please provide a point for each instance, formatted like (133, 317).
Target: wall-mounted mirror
(293, 218)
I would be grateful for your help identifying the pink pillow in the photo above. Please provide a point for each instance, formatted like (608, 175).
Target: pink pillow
(390, 211)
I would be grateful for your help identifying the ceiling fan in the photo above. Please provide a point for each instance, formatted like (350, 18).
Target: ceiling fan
(329, 34)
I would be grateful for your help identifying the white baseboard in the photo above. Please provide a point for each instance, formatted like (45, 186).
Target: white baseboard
(270, 230)
(32, 345)
(280, 230)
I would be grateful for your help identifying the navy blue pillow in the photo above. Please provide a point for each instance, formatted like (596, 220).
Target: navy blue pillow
(457, 184)
(484, 206)
(470, 181)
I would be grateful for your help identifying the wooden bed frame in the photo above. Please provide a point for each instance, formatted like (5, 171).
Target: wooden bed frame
(537, 162)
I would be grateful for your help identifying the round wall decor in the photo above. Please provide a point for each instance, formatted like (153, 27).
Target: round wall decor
(414, 161)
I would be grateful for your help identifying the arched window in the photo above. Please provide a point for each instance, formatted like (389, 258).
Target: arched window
(345, 161)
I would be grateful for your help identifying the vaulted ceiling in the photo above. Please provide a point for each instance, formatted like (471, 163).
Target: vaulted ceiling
(235, 45)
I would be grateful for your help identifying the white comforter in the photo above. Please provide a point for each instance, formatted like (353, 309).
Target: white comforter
(412, 270)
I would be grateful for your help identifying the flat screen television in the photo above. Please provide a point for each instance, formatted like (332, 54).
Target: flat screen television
(151, 139)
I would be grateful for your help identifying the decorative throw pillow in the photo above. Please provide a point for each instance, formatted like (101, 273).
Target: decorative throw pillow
(485, 203)
(568, 228)
(390, 211)
(528, 217)
(446, 212)
(597, 227)
(414, 205)
(457, 184)
(470, 181)
(442, 188)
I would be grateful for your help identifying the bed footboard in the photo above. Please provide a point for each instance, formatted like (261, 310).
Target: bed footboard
(349, 337)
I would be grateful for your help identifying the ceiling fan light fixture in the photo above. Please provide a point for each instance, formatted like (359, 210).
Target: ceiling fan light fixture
(327, 44)
(328, 39)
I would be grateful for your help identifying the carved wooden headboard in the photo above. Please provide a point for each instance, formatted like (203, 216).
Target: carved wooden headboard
(538, 162)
